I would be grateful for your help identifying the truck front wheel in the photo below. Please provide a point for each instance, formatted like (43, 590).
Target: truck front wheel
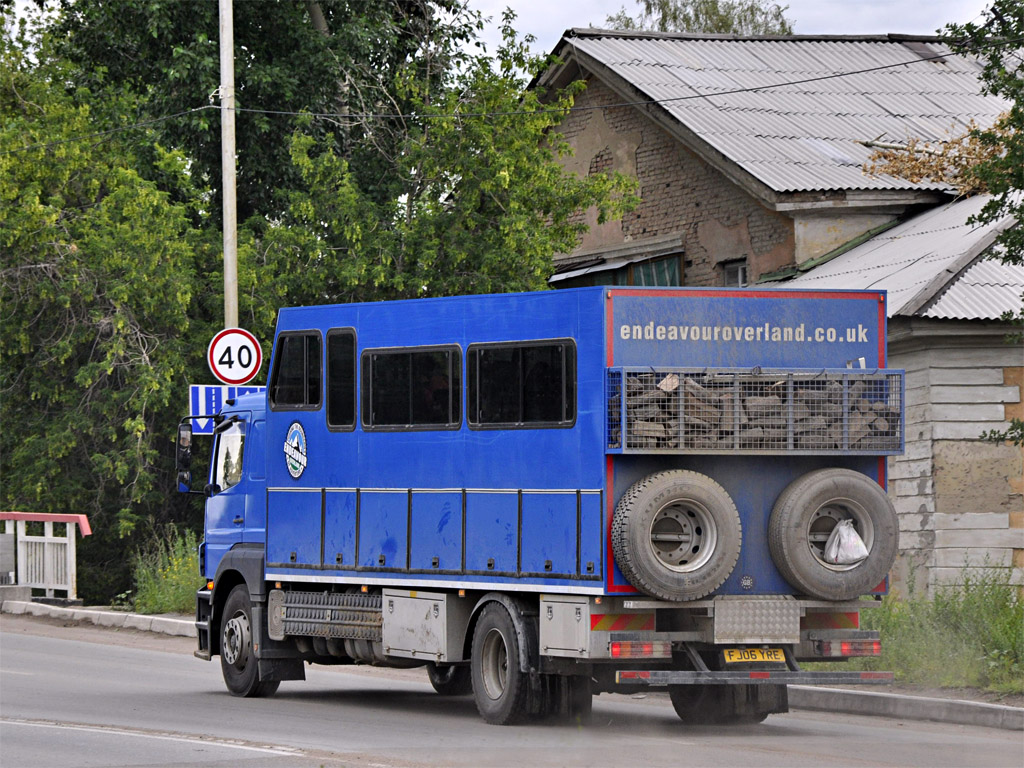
(237, 659)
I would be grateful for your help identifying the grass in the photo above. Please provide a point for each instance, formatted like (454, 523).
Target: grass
(166, 573)
(968, 635)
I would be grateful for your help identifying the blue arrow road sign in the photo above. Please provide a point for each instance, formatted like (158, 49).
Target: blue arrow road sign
(206, 400)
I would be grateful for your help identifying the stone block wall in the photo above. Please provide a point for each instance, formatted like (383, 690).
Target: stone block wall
(959, 498)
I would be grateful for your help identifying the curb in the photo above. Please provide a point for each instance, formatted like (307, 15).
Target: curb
(161, 624)
(902, 707)
(810, 698)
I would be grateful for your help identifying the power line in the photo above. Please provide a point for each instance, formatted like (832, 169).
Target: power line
(510, 113)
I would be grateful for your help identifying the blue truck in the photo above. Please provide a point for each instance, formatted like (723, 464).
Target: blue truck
(541, 497)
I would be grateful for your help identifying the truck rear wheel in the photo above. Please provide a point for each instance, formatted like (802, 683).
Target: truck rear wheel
(804, 516)
(500, 689)
(727, 704)
(452, 680)
(676, 535)
(238, 662)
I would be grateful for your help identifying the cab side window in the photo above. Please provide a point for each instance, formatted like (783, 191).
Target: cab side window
(227, 469)
(296, 380)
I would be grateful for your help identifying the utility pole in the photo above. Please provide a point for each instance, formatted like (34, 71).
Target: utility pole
(227, 148)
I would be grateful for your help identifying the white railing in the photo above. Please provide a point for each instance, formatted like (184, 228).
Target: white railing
(47, 561)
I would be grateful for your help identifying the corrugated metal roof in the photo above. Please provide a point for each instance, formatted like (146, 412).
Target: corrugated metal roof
(800, 136)
(932, 265)
(984, 291)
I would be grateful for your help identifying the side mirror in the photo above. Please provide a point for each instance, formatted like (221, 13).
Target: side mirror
(184, 481)
(183, 454)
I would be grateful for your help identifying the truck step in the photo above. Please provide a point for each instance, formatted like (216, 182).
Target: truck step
(351, 616)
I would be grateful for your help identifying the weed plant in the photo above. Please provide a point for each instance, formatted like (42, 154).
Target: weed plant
(167, 573)
(968, 635)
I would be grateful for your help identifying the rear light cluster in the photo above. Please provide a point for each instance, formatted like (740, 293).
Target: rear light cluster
(849, 648)
(660, 649)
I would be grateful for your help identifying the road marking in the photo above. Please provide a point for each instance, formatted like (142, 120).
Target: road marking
(162, 736)
(16, 672)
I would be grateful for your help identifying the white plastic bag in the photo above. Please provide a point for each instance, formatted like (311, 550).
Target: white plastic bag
(844, 545)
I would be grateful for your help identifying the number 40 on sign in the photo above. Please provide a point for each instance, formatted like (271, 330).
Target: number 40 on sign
(234, 356)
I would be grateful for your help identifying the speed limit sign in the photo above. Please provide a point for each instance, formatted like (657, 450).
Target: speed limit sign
(234, 356)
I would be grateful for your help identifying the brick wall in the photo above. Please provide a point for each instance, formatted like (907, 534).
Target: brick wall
(680, 193)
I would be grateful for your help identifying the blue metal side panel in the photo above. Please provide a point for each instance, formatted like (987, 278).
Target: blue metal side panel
(722, 328)
(293, 526)
(745, 328)
(436, 531)
(492, 520)
(340, 528)
(383, 529)
(591, 533)
(441, 461)
(549, 533)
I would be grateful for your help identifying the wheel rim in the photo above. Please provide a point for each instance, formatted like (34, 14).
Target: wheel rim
(826, 517)
(237, 637)
(495, 664)
(683, 536)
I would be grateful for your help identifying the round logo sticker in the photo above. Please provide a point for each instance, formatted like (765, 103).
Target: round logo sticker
(295, 450)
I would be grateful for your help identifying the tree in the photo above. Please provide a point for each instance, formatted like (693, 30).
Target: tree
(96, 283)
(988, 159)
(482, 203)
(732, 17)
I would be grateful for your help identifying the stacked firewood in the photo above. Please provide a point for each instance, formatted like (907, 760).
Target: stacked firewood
(756, 412)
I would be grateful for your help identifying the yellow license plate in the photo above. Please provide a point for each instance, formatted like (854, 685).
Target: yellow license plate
(737, 655)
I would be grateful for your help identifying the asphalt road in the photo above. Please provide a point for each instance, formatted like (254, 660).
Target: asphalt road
(74, 696)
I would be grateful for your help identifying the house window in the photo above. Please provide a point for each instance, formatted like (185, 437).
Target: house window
(734, 273)
(341, 379)
(664, 271)
(295, 383)
(524, 385)
(412, 388)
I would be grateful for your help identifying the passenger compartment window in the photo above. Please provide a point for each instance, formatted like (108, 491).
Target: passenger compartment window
(341, 379)
(417, 388)
(522, 385)
(295, 384)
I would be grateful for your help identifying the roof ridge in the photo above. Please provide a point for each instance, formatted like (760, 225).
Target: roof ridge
(884, 37)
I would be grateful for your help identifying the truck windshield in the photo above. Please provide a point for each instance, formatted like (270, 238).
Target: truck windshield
(228, 466)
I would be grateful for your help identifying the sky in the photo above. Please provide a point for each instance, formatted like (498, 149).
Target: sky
(547, 19)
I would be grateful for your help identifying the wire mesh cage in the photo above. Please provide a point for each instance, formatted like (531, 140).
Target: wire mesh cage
(757, 411)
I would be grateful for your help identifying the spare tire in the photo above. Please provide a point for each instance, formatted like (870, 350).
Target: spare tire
(676, 535)
(804, 516)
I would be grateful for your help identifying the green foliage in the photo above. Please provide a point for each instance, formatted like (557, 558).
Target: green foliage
(481, 203)
(97, 278)
(997, 40)
(166, 572)
(166, 52)
(968, 635)
(731, 17)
